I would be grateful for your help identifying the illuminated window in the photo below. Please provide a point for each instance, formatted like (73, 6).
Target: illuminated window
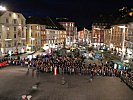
(31, 34)
(66, 24)
(70, 24)
(37, 27)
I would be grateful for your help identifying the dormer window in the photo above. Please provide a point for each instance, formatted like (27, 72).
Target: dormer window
(7, 20)
(18, 16)
(9, 14)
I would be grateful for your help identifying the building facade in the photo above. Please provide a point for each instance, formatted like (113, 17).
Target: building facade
(119, 37)
(97, 37)
(44, 33)
(84, 36)
(107, 36)
(55, 38)
(12, 32)
(130, 40)
(33, 37)
(71, 30)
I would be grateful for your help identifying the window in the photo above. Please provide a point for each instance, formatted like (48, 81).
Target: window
(14, 21)
(14, 28)
(18, 16)
(70, 24)
(15, 43)
(22, 22)
(37, 27)
(7, 20)
(9, 14)
(9, 44)
(31, 27)
(31, 34)
(8, 35)
(22, 35)
(36, 34)
(14, 35)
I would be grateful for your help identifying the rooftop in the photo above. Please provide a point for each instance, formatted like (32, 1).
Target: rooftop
(49, 22)
(2, 12)
(64, 20)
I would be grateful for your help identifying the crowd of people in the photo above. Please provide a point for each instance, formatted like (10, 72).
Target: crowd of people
(68, 65)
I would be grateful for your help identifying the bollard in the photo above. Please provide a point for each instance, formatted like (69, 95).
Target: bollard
(29, 97)
(23, 97)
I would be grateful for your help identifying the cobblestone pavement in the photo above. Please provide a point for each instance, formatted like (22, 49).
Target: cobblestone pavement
(16, 81)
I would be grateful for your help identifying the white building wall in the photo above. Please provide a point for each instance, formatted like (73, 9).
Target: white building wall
(7, 31)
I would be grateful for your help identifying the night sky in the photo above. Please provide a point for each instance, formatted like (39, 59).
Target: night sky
(83, 11)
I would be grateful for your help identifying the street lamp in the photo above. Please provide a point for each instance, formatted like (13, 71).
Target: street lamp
(123, 42)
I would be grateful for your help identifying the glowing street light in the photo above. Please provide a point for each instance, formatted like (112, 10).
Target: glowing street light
(2, 8)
